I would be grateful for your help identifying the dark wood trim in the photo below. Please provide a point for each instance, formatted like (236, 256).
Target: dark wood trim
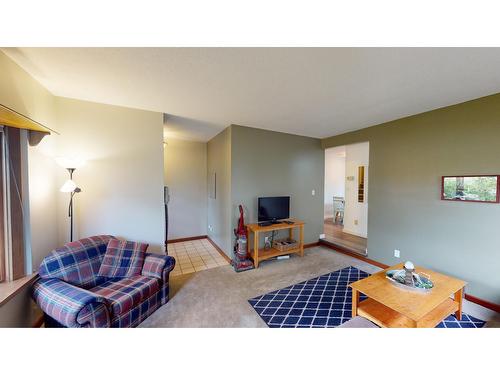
(478, 301)
(39, 321)
(224, 255)
(187, 239)
(489, 305)
(313, 244)
(346, 251)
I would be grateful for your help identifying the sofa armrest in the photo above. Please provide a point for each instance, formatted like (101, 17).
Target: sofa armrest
(71, 306)
(159, 266)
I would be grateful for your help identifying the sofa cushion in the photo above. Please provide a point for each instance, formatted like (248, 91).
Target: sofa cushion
(154, 265)
(124, 294)
(77, 262)
(123, 259)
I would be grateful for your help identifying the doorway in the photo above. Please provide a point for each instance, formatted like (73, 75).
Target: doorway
(346, 197)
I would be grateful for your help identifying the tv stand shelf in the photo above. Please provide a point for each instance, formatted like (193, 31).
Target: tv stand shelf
(260, 254)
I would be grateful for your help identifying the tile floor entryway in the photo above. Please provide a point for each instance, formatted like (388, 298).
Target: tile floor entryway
(193, 256)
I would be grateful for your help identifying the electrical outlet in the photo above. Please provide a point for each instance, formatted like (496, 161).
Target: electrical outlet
(355, 222)
(210, 228)
(322, 236)
(397, 253)
(313, 192)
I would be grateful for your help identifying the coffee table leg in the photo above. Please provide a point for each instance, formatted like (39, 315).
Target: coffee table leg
(355, 299)
(459, 298)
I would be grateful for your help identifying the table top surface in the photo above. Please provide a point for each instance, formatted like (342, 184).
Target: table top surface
(255, 227)
(413, 304)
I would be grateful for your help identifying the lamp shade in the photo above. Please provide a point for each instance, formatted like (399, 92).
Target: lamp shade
(68, 187)
(73, 163)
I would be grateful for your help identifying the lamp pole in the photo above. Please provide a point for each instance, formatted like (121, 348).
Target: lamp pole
(70, 209)
(70, 164)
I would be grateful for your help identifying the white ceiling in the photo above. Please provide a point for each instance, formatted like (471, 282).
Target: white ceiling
(318, 92)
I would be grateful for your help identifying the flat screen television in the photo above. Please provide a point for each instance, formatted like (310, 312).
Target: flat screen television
(272, 209)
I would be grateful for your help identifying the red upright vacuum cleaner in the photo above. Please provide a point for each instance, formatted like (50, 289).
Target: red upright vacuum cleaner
(241, 261)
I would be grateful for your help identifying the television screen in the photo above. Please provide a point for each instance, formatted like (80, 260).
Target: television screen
(274, 208)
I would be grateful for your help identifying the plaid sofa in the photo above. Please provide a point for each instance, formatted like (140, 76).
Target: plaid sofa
(71, 294)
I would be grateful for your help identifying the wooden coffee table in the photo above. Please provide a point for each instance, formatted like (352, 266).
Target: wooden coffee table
(390, 305)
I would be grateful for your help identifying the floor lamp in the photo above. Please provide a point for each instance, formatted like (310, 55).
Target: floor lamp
(70, 187)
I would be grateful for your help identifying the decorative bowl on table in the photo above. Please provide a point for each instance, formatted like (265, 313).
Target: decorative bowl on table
(409, 279)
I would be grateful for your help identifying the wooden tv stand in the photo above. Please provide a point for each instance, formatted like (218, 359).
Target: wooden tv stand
(259, 255)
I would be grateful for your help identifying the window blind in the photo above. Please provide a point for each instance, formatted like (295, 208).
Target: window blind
(13, 204)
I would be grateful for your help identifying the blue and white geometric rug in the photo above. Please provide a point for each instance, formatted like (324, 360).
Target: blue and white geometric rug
(324, 302)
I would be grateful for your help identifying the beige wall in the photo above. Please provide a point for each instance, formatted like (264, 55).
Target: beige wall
(219, 209)
(122, 180)
(23, 94)
(407, 159)
(186, 176)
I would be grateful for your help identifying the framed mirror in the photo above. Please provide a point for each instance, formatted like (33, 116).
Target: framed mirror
(481, 188)
(361, 184)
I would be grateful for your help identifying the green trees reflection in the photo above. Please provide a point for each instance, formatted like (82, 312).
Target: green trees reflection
(479, 188)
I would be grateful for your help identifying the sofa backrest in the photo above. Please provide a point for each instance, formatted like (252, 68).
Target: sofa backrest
(76, 262)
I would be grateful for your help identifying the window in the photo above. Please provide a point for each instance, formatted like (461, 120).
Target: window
(13, 209)
(16, 132)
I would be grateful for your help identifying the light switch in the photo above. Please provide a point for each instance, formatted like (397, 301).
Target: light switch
(313, 192)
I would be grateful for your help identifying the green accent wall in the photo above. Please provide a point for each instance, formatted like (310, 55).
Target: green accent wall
(251, 163)
(407, 159)
(269, 163)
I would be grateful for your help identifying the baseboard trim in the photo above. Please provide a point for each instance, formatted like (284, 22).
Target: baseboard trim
(353, 233)
(487, 304)
(312, 244)
(478, 301)
(221, 252)
(346, 251)
(187, 239)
